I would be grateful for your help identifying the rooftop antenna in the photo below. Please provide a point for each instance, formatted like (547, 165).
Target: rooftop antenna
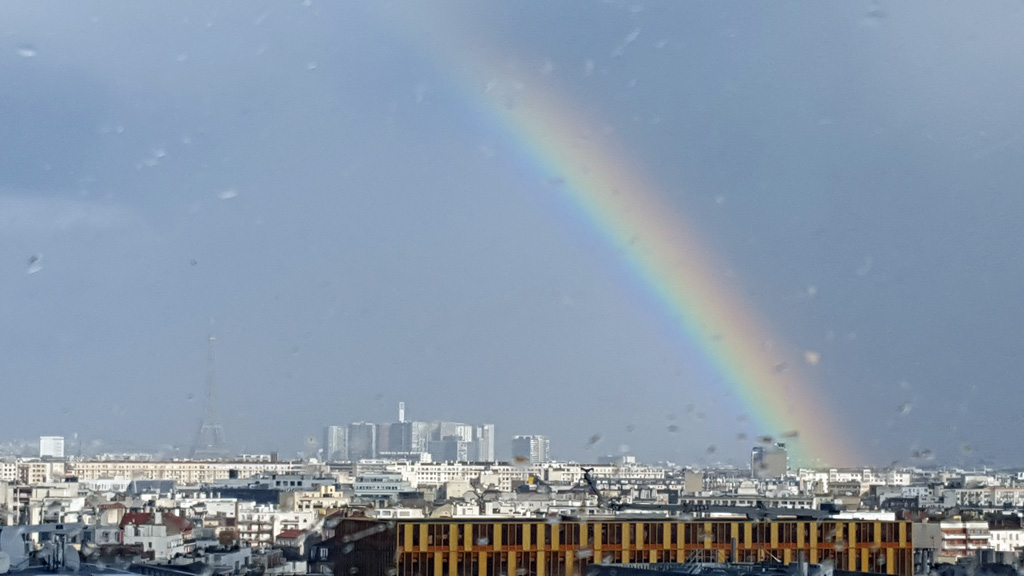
(209, 443)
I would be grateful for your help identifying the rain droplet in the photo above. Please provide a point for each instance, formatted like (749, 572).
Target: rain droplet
(190, 397)
(192, 262)
(791, 434)
(311, 66)
(347, 548)
(966, 448)
(584, 553)
(904, 409)
(227, 194)
(765, 439)
(27, 51)
(781, 367)
(593, 440)
(711, 449)
(630, 427)
(673, 428)
(812, 357)
(34, 263)
(812, 291)
(742, 437)
(483, 541)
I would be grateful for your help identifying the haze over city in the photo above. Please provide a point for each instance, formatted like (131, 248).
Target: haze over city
(368, 205)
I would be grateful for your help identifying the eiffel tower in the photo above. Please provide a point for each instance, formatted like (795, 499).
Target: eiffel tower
(209, 443)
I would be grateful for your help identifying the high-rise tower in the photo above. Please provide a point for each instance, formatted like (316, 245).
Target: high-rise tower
(209, 442)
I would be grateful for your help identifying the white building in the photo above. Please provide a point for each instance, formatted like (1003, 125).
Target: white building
(1006, 539)
(258, 525)
(51, 446)
(380, 487)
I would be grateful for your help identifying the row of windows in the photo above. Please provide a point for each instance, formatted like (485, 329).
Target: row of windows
(610, 534)
(899, 562)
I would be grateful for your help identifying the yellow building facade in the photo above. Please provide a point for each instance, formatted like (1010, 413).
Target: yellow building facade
(506, 547)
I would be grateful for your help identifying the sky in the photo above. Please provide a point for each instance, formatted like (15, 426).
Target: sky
(345, 196)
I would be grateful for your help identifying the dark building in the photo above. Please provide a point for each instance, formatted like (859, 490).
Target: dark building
(362, 441)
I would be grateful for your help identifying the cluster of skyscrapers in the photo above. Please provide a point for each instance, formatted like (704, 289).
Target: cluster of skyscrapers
(409, 440)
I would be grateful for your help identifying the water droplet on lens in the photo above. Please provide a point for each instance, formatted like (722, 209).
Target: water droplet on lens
(26, 51)
(812, 357)
(904, 409)
(227, 194)
(483, 541)
(673, 428)
(35, 263)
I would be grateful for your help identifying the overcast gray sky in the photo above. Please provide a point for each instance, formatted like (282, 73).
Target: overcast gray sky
(315, 184)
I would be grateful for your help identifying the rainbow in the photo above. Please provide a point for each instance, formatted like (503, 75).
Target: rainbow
(626, 208)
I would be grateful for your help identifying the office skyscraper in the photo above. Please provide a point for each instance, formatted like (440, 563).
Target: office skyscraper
(530, 448)
(335, 444)
(362, 441)
(484, 441)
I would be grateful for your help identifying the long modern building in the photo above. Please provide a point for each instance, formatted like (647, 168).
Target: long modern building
(565, 547)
